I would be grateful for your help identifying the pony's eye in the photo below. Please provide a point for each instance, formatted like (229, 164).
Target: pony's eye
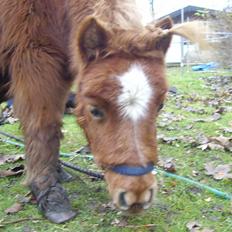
(96, 112)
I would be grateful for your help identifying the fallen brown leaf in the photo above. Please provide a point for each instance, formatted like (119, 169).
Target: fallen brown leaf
(194, 110)
(193, 226)
(217, 143)
(167, 164)
(209, 167)
(215, 117)
(226, 142)
(195, 173)
(123, 222)
(219, 172)
(15, 208)
(164, 139)
(211, 146)
(189, 127)
(227, 130)
(11, 158)
(18, 170)
(167, 117)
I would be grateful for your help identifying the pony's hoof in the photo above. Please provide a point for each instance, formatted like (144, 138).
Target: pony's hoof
(60, 217)
(54, 204)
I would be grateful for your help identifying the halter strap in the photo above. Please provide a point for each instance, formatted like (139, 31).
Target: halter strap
(132, 170)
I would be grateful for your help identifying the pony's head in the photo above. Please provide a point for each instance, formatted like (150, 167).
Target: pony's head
(121, 88)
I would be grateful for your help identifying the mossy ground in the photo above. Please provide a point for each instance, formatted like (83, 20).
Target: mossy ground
(177, 202)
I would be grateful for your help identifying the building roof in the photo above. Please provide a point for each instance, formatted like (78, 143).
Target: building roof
(189, 13)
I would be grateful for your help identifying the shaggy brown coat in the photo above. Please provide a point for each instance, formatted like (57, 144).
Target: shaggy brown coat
(38, 39)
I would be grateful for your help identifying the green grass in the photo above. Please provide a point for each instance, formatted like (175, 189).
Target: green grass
(177, 203)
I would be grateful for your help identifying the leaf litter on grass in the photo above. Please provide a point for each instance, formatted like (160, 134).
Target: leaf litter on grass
(200, 141)
(15, 171)
(11, 158)
(195, 226)
(219, 172)
(171, 123)
(15, 208)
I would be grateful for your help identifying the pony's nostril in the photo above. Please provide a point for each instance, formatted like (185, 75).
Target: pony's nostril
(126, 199)
(122, 200)
(148, 198)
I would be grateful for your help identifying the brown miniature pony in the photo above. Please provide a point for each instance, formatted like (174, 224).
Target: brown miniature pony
(119, 65)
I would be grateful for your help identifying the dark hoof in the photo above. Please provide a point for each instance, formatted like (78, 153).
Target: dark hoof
(63, 176)
(60, 217)
(54, 204)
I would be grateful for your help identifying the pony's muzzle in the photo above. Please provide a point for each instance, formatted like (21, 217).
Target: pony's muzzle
(133, 202)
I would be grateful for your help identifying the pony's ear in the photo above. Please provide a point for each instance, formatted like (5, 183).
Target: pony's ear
(91, 39)
(164, 43)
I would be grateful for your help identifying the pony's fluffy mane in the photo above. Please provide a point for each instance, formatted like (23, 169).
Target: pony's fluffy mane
(194, 31)
(118, 13)
(144, 40)
(114, 27)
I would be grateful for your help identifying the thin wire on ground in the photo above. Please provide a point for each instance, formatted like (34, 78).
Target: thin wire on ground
(216, 192)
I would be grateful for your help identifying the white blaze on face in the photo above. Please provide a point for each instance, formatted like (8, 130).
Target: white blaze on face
(135, 94)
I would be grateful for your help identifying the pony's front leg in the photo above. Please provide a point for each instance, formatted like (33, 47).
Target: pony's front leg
(40, 84)
(43, 172)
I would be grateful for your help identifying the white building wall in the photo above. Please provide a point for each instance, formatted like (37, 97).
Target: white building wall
(174, 53)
